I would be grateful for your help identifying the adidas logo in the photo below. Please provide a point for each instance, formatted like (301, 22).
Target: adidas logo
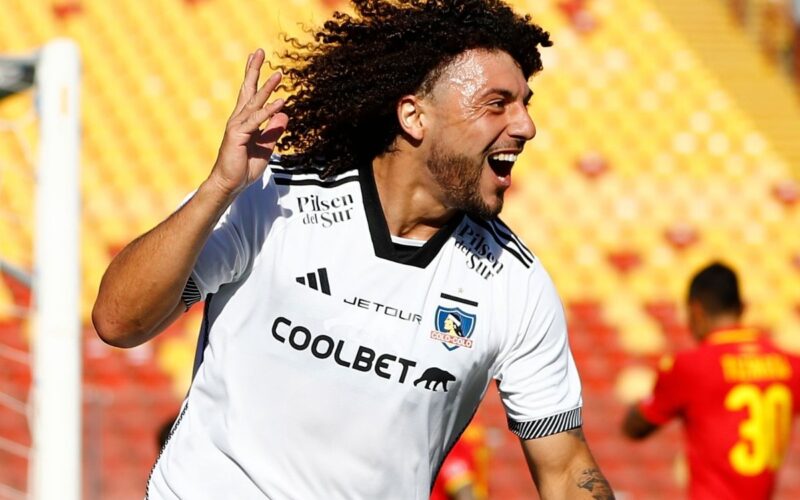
(317, 280)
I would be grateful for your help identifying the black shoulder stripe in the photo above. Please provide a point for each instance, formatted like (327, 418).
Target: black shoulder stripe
(547, 426)
(504, 231)
(288, 181)
(501, 242)
(510, 240)
(502, 225)
(280, 169)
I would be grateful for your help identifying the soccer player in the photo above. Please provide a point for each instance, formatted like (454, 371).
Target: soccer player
(735, 394)
(324, 367)
(464, 473)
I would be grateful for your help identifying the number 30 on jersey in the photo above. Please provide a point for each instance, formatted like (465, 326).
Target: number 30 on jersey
(764, 434)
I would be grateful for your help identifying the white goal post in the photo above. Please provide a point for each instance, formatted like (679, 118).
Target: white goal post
(55, 397)
(56, 430)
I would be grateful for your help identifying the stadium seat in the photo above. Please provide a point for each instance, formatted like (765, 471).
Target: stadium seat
(644, 168)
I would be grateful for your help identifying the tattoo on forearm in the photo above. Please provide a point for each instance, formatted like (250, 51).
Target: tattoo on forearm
(592, 480)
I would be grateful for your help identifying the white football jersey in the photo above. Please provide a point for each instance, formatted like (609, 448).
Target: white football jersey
(335, 363)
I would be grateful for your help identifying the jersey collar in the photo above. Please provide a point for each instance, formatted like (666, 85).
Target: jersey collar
(732, 335)
(379, 230)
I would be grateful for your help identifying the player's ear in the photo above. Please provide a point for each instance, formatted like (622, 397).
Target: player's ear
(696, 311)
(698, 323)
(411, 116)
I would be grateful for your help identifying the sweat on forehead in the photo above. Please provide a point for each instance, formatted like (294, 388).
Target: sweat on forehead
(465, 70)
(345, 83)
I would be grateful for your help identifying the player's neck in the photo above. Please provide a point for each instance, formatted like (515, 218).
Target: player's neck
(723, 322)
(407, 191)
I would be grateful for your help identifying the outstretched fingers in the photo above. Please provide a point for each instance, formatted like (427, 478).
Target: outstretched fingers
(252, 130)
(272, 131)
(253, 120)
(252, 72)
(260, 98)
(252, 109)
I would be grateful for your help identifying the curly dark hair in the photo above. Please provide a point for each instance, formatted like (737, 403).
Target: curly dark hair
(345, 84)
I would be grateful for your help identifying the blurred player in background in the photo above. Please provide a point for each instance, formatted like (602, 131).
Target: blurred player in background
(361, 294)
(736, 394)
(465, 472)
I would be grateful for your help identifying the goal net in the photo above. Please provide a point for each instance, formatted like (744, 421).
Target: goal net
(39, 274)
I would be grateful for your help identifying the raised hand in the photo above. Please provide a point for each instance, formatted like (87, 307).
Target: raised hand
(140, 293)
(246, 146)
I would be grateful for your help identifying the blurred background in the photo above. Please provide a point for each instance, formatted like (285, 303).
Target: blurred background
(668, 136)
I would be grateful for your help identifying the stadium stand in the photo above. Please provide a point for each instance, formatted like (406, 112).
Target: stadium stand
(775, 26)
(646, 166)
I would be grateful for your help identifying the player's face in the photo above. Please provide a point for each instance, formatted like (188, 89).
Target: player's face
(479, 124)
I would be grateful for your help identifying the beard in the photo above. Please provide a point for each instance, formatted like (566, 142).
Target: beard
(459, 177)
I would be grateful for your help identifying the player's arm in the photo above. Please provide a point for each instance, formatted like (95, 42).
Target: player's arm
(636, 426)
(667, 400)
(140, 293)
(539, 367)
(563, 467)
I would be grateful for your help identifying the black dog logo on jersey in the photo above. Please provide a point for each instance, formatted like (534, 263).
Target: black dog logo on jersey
(454, 327)
(437, 377)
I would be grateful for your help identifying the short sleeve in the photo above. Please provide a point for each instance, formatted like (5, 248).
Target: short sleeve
(235, 241)
(538, 381)
(669, 393)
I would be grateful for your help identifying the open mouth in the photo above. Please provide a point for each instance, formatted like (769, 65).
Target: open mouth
(501, 163)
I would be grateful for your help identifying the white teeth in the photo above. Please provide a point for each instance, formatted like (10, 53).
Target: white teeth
(506, 157)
